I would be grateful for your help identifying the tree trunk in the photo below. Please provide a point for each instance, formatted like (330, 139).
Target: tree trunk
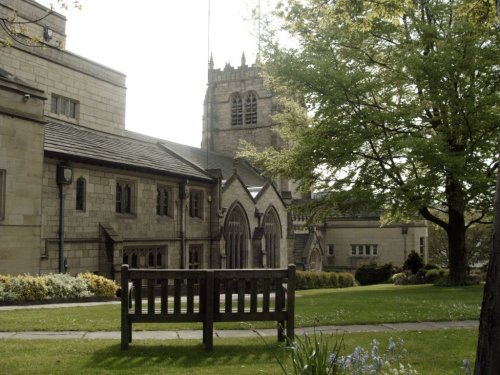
(456, 231)
(456, 247)
(488, 347)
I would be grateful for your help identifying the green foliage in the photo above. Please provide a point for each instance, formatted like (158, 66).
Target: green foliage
(28, 288)
(319, 280)
(371, 273)
(389, 105)
(62, 285)
(55, 286)
(413, 263)
(99, 285)
(432, 275)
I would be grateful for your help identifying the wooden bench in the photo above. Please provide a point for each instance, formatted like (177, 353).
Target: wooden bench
(207, 296)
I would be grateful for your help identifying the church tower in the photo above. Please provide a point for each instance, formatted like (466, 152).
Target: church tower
(237, 107)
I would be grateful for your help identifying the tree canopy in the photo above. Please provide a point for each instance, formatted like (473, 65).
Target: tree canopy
(392, 105)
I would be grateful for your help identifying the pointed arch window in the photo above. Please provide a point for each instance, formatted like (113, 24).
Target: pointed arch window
(251, 109)
(236, 110)
(272, 234)
(125, 191)
(80, 194)
(236, 235)
(163, 201)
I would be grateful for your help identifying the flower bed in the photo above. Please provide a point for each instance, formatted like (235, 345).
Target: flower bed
(55, 287)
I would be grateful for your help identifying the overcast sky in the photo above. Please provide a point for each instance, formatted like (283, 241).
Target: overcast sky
(162, 47)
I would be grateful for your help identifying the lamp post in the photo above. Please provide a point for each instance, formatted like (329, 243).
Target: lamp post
(64, 176)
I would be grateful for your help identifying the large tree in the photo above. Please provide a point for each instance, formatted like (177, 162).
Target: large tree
(390, 104)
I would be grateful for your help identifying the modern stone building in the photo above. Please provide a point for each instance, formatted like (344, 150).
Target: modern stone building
(79, 192)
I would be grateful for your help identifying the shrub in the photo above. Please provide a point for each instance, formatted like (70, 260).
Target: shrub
(346, 279)
(413, 262)
(398, 276)
(99, 285)
(62, 285)
(28, 288)
(369, 274)
(432, 275)
(319, 280)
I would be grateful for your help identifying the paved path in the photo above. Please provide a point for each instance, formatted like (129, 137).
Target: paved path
(197, 334)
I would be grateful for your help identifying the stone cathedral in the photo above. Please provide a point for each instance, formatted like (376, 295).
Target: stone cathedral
(79, 192)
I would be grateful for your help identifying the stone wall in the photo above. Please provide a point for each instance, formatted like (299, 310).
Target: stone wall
(21, 158)
(389, 239)
(83, 237)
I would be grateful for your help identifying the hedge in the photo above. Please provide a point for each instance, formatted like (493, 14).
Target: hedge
(320, 280)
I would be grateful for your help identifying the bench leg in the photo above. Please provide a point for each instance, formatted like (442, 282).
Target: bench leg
(126, 334)
(208, 335)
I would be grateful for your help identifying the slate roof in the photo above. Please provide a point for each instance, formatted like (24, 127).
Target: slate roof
(248, 174)
(83, 144)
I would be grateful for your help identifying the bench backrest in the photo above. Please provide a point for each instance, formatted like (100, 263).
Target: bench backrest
(220, 295)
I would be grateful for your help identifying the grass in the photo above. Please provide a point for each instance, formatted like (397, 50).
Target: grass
(230, 356)
(357, 305)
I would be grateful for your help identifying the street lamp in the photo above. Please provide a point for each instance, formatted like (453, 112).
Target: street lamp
(64, 176)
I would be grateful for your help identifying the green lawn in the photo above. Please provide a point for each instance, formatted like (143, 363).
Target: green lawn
(431, 353)
(358, 305)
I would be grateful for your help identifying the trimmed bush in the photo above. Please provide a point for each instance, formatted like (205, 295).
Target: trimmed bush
(319, 280)
(62, 285)
(99, 285)
(346, 279)
(28, 288)
(369, 274)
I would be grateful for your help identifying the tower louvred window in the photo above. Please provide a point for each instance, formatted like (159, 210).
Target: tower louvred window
(251, 109)
(236, 110)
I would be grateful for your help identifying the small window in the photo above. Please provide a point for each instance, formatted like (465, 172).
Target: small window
(195, 256)
(125, 197)
(145, 256)
(236, 110)
(364, 250)
(163, 201)
(196, 204)
(422, 247)
(66, 107)
(251, 109)
(2, 193)
(331, 249)
(80, 194)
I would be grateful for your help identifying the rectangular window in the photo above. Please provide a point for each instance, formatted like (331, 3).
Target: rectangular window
(2, 193)
(125, 197)
(360, 249)
(195, 256)
(331, 249)
(196, 204)
(145, 256)
(80, 194)
(364, 250)
(163, 201)
(422, 247)
(62, 106)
